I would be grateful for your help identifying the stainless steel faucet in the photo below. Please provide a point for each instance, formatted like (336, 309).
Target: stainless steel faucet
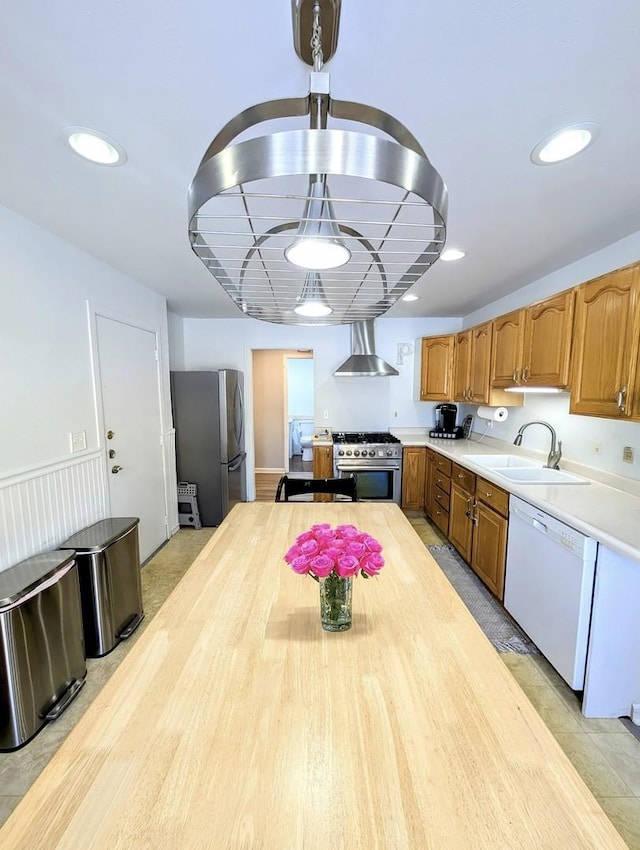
(553, 458)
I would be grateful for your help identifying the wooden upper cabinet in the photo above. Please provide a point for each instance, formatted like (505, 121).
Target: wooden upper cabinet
(506, 359)
(462, 367)
(437, 368)
(605, 345)
(547, 342)
(532, 346)
(481, 337)
(472, 369)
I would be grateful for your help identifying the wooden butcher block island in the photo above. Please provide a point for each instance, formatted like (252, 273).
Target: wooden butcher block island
(235, 721)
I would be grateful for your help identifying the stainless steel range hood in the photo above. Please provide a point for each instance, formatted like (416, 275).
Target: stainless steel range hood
(364, 362)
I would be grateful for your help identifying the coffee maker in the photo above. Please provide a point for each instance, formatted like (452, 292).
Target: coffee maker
(445, 424)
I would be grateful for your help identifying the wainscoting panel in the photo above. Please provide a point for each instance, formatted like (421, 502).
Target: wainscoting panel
(41, 508)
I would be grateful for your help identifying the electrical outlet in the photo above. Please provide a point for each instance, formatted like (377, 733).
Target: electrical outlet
(628, 454)
(596, 448)
(325, 415)
(395, 414)
(78, 441)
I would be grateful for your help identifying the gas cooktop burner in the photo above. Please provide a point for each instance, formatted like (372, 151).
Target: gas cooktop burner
(364, 437)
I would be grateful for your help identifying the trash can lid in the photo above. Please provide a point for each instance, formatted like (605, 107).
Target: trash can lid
(24, 577)
(96, 537)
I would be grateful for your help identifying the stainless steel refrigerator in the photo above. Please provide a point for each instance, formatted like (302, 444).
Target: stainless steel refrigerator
(208, 415)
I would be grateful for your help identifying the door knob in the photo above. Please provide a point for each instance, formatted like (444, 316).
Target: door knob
(116, 469)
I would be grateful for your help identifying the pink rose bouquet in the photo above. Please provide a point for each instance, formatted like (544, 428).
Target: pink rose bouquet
(343, 551)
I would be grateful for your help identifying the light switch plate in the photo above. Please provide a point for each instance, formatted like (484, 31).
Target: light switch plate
(78, 441)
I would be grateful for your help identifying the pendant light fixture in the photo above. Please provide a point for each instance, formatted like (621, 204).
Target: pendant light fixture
(318, 244)
(313, 301)
(366, 208)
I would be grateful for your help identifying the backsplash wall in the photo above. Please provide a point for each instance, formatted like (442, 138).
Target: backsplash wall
(588, 440)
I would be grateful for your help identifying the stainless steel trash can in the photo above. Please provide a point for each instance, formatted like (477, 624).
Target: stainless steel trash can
(109, 571)
(42, 662)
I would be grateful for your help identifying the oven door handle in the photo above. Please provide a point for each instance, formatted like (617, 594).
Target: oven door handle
(360, 468)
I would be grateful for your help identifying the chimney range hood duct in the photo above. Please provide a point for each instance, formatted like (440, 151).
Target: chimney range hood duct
(364, 362)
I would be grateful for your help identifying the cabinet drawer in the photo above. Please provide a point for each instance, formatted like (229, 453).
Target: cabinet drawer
(441, 518)
(491, 495)
(442, 481)
(443, 464)
(441, 498)
(465, 479)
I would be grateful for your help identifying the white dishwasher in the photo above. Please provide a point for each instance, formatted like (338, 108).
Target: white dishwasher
(549, 586)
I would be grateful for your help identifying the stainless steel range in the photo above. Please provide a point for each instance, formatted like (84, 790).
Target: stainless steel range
(375, 458)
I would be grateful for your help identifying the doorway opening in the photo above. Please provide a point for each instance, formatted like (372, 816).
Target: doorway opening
(283, 416)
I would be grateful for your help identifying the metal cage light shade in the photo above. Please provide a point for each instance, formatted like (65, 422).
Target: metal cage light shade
(254, 203)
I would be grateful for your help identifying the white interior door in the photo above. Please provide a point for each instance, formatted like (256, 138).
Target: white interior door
(128, 369)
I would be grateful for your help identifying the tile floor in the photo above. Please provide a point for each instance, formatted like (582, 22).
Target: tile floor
(604, 752)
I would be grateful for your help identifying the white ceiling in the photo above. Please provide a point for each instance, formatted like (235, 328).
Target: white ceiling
(478, 84)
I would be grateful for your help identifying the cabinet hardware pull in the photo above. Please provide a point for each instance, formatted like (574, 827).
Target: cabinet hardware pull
(461, 475)
(515, 376)
(620, 398)
(525, 374)
(488, 495)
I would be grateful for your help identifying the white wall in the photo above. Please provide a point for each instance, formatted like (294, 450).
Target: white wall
(300, 387)
(46, 383)
(580, 435)
(614, 256)
(350, 403)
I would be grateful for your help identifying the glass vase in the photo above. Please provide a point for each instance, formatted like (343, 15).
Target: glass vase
(335, 603)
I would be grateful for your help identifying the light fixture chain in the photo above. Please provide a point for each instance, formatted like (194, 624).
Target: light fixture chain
(316, 39)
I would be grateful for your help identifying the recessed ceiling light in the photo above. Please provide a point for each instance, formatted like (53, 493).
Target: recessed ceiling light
(409, 297)
(564, 143)
(450, 254)
(95, 146)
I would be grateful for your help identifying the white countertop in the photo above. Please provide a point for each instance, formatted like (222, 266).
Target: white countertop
(608, 514)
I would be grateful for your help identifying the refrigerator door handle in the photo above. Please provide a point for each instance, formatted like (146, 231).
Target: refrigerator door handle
(238, 407)
(240, 460)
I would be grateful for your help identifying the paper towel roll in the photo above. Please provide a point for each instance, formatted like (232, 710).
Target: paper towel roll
(495, 414)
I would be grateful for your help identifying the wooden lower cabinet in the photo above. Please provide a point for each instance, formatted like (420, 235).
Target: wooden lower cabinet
(463, 485)
(440, 492)
(489, 550)
(414, 460)
(428, 484)
(323, 468)
(473, 513)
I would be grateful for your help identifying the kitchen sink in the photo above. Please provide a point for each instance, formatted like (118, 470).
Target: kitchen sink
(501, 461)
(524, 471)
(540, 475)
